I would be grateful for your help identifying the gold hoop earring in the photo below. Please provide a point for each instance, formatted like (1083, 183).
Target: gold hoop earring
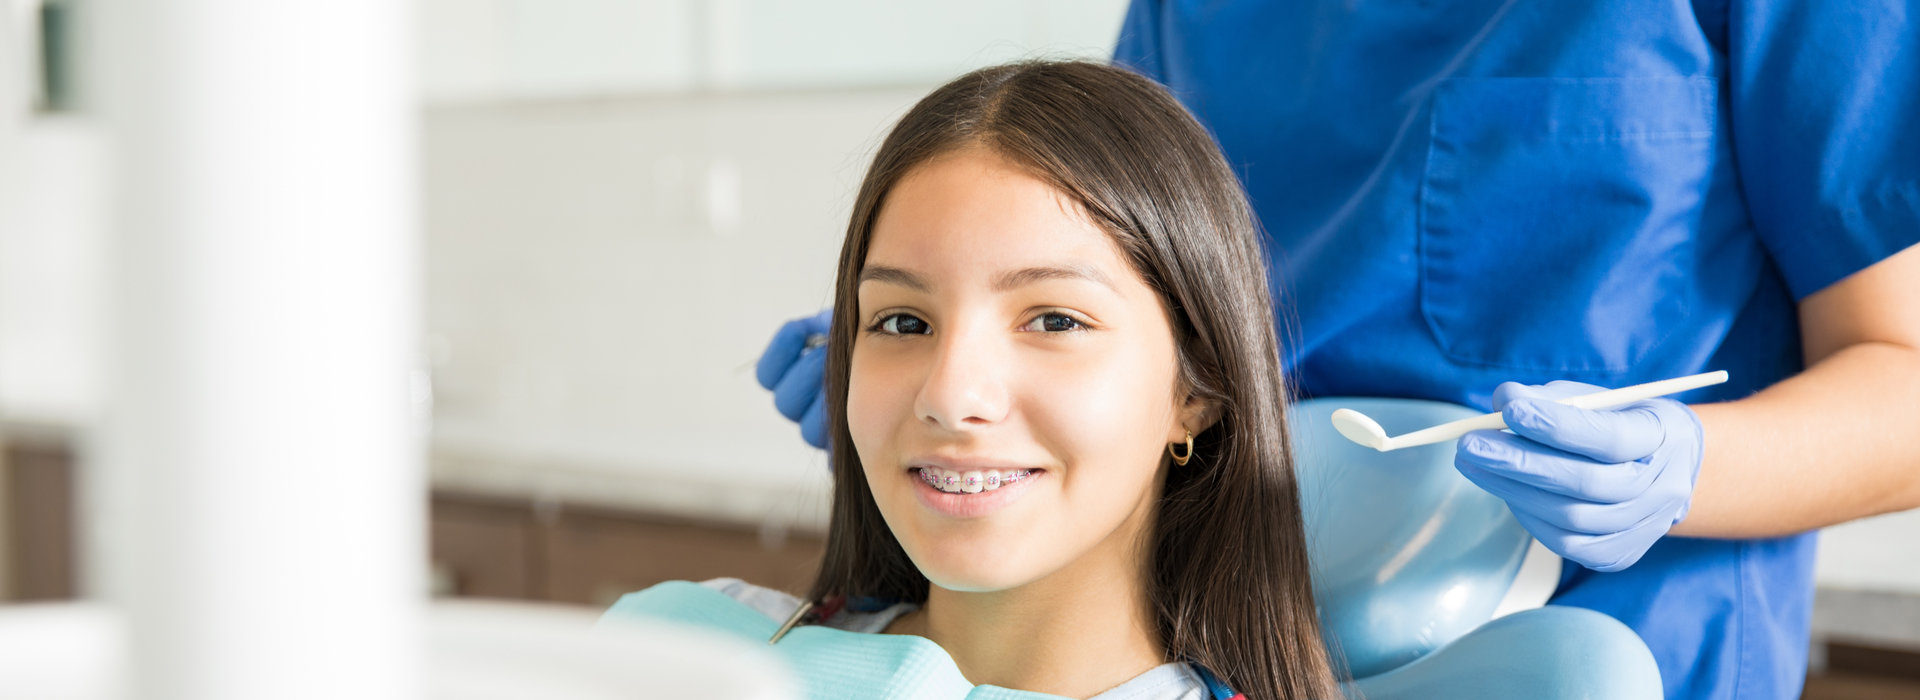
(1181, 459)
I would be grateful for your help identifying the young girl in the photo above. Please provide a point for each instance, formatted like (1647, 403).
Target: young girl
(1060, 452)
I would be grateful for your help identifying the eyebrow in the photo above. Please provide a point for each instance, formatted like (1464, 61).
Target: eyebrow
(1007, 281)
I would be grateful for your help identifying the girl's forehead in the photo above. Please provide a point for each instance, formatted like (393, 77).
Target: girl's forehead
(973, 210)
(932, 261)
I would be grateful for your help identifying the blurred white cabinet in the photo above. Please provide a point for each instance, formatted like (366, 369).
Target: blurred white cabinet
(483, 50)
(777, 43)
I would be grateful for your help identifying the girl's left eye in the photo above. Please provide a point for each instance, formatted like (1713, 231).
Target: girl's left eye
(1054, 323)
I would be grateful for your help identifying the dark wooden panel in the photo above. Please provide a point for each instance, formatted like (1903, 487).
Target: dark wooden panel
(487, 547)
(40, 494)
(1849, 686)
(1874, 660)
(592, 558)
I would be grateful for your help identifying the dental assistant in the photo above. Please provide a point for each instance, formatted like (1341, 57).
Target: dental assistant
(1459, 195)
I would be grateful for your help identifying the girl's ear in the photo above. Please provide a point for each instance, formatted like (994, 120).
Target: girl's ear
(1199, 414)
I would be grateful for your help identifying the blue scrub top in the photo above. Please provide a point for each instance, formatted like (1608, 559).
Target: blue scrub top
(1459, 194)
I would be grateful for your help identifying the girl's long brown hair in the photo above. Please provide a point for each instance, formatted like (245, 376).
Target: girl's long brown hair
(1228, 574)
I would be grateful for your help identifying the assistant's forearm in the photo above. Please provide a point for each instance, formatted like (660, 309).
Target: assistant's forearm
(1838, 442)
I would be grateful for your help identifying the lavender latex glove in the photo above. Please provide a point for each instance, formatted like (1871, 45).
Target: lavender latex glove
(796, 374)
(1598, 487)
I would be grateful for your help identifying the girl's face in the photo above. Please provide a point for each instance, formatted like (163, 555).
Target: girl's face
(1007, 351)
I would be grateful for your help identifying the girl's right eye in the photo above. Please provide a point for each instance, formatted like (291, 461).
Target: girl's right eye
(900, 324)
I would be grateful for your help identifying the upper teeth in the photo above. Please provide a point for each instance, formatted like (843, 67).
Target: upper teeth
(952, 481)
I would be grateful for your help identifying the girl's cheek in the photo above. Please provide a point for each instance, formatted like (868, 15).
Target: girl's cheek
(878, 398)
(860, 401)
(1122, 407)
(1098, 409)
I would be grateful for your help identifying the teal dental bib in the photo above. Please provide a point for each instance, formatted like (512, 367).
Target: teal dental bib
(838, 664)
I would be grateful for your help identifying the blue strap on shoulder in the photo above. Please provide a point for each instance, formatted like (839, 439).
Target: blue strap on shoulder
(1215, 688)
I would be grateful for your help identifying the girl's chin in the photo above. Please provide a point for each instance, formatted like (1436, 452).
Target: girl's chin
(972, 573)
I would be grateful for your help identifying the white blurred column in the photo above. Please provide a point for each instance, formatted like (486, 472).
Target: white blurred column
(256, 496)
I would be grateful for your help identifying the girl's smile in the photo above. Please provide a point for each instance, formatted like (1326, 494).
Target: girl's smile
(979, 495)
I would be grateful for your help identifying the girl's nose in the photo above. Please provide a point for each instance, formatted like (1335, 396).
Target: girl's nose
(966, 387)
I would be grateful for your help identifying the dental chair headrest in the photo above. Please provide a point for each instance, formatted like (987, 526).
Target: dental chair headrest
(1408, 555)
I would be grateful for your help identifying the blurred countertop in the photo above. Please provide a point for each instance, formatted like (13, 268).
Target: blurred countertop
(692, 494)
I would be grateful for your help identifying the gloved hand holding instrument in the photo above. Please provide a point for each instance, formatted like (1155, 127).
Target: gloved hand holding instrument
(794, 367)
(1595, 475)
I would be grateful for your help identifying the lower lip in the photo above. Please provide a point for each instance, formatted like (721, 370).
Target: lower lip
(970, 505)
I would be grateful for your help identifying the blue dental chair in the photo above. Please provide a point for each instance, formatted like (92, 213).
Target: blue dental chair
(1428, 588)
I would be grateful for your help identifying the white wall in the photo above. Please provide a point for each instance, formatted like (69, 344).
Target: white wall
(52, 199)
(602, 276)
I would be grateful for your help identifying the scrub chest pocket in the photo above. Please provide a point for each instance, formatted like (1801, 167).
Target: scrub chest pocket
(1557, 217)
